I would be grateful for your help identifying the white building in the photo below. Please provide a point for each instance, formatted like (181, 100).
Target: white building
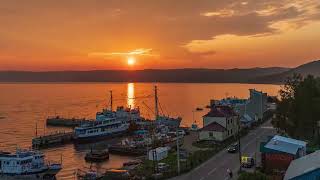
(158, 153)
(219, 124)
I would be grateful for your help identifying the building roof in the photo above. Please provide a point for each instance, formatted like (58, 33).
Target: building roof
(214, 126)
(286, 145)
(303, 165)
(220, 111)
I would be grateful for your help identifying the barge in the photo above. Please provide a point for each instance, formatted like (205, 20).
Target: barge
(66, 122)
(61, 137)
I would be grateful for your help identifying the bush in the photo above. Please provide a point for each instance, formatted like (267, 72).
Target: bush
(252, 176)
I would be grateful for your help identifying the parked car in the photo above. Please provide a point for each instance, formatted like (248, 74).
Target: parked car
(233, 148)
(247, 162)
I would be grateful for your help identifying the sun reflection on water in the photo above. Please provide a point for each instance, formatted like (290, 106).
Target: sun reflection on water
(130, 95)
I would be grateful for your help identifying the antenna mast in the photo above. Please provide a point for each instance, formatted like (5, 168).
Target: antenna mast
(156, 102)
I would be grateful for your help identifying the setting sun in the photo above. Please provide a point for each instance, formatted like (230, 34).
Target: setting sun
(131, 61)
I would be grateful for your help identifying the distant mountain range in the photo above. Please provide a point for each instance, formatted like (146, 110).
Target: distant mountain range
(273, 75)
(311, 68)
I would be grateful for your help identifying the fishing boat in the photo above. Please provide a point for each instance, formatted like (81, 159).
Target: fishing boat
(97, 155)
(121, 113)
(168, 121)
(100, 129)
(26, 164)
(164, 120)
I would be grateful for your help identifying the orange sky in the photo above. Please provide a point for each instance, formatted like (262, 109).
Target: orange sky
(103, 34)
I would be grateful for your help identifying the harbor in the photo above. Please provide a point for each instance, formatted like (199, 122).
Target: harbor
(62, 139)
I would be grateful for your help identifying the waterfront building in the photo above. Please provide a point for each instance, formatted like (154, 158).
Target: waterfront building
(249, 110)
(220, 123)
(279, 151)
(304, 168)
(256, 105)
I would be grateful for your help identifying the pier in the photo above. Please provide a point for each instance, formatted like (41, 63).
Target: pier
(66, 122)
(60, 137)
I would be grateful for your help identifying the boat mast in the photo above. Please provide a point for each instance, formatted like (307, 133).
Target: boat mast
(111, 101)
(36, 129)
(156, 102)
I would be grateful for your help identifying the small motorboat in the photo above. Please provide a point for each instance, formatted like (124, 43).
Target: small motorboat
(97, 155)
(88, 174)
(199, 109)
(134, 162)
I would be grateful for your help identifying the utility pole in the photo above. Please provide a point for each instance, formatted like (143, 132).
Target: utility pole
(36, 129)
(111, 101)
(239, 144)
(193, 116)
(156, 102)
(178, 152)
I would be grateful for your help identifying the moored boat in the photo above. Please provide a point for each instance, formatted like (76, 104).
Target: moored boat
(100, 129)
(26, 164)
(97, 155)
(164, 120)
(88, 174)
(168, 121)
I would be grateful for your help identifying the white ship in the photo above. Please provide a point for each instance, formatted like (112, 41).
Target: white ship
(123, 114)
(100, 129)
(26, 164)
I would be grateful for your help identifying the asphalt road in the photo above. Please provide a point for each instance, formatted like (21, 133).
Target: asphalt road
(216, 167)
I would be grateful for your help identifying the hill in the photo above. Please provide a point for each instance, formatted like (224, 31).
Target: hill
(148, 75)
(312, 68)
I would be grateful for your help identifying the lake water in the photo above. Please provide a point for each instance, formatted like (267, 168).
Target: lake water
(22, 106)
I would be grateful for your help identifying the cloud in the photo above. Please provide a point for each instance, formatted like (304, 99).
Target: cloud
(165, 25)
(136, 52)
(220, 13)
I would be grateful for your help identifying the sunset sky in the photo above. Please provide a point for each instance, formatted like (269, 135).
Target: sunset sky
(41, 35)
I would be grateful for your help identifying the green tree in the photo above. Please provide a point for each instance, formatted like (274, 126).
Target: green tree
(298, 112)
(252, 176)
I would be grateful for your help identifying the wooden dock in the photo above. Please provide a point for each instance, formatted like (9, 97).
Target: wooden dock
(66, 122)
(60, 137)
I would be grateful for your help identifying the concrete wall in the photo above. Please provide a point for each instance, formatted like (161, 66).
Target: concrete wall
(232, 126)
(216, 136)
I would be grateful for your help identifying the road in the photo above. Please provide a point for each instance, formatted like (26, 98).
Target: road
(216, 167)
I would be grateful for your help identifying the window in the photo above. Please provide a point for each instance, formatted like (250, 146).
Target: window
(210, 134)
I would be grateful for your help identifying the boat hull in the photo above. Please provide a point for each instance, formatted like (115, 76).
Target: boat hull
(89, 139)
(47, 175)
